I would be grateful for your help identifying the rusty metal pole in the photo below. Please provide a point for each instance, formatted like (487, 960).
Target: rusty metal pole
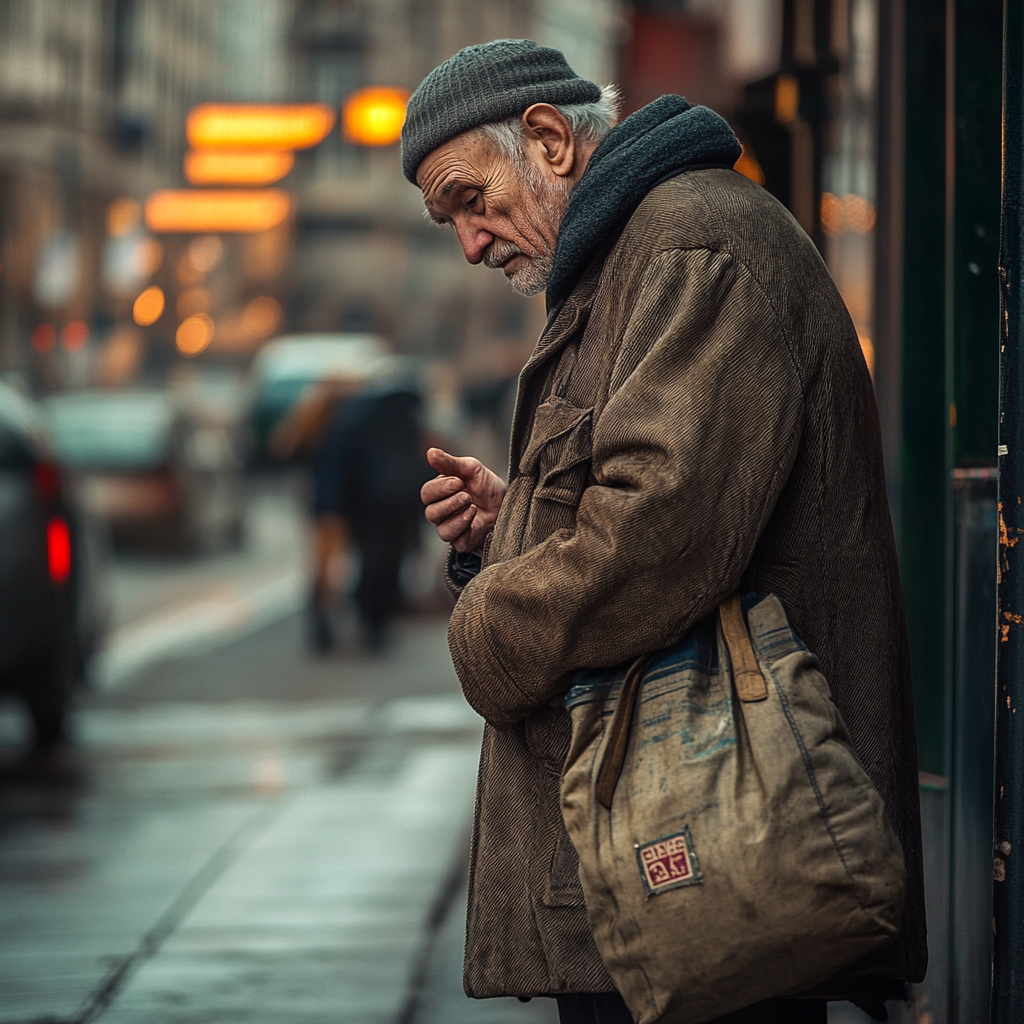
(1008, 890)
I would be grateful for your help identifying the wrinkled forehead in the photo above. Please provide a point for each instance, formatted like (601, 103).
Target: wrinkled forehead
(465, 160)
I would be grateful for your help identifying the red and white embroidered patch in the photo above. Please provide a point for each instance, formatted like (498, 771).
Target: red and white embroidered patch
(668, 863)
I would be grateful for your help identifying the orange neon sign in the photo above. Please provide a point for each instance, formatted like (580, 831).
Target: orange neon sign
(237, 166)
(199, 211)
(280, 126)
(374, 116)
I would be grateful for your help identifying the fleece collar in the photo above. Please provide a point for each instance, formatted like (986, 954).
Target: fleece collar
(658, 142)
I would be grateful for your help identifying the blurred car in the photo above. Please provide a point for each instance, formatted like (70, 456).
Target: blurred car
(154, 468)
(284, 369)
(54, 603)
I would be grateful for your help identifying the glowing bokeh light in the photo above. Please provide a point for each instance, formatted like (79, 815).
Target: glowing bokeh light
(374, 116)
(748, 166)
(74, 336)
(205, 252)
(193, 211)
(58, 549)
(149, 254)
(261, 317)
(122, 215)
(149, 306)
(787, 100)
(194, 334)
(846, 214)
(258, 125)
(237, 167)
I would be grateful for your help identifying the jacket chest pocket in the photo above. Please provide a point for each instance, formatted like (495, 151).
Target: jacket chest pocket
(559, 453)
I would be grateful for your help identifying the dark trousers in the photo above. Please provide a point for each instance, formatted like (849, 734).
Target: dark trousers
(609, 1008)
(381, 544)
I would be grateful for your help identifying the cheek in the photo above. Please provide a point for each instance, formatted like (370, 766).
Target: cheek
(519, 228)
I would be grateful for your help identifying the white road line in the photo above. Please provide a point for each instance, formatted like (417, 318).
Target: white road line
(221, 615)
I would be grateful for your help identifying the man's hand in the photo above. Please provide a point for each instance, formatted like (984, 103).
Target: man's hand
(462, 501)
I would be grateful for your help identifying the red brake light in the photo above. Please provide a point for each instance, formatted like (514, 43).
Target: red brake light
(47, 480)
(58, 549)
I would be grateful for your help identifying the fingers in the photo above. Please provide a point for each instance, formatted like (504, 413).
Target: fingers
(439, 488)
(438, 511)
(453, 528)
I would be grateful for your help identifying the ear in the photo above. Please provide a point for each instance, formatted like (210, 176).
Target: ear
(550, 127)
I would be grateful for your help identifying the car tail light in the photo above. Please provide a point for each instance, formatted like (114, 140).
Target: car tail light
(58, 549)
(46, 478)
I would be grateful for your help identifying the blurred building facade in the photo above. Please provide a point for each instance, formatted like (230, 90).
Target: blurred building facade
(93, 100)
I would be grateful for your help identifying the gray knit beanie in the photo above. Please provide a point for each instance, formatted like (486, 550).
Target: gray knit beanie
(484, 83)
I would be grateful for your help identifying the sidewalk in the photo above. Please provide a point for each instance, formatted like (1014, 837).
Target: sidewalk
(273, 864)
(319, 919)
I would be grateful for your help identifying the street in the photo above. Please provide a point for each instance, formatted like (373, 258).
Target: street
(242, 832)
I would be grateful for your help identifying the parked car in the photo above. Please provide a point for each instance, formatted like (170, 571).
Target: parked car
(54, 601)
(154, 468)
(287, 367)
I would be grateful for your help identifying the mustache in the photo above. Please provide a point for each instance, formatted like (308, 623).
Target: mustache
(500, 253)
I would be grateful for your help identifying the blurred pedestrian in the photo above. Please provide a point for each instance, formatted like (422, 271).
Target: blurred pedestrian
(374, 444)
(696, 419)
(303, 433)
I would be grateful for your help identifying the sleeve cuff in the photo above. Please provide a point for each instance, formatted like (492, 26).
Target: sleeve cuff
(463, 567)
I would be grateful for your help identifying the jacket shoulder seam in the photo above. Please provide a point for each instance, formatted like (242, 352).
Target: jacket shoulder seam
(762, 291)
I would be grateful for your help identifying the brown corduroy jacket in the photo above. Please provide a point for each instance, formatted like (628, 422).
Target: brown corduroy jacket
(697, 418)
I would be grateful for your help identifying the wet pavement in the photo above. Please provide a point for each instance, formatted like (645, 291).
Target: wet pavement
(242, 832)
(247, 835)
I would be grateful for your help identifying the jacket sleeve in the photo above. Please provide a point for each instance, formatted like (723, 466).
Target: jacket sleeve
(690, 453)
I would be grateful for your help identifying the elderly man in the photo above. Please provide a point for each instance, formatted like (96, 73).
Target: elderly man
(696, 418)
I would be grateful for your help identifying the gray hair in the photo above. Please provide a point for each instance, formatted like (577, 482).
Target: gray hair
(590, 122)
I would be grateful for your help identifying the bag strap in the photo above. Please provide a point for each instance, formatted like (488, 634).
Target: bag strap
(747, 678)
(746, 675)
(618, 733)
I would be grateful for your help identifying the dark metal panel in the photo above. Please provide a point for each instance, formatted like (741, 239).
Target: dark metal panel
(975, 233)
(970, 954)
(1008, 874)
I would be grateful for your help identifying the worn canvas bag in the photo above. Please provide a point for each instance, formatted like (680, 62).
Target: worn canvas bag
(731, 847)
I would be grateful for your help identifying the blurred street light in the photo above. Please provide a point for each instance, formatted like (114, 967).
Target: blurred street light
(188, 211)
(122, 215)
(258, 126)
(205, 253)
(149, 306)
(261, 317)
(848, 213)
(374, 116)
(237, 167)
(194, 334)
(74, 336)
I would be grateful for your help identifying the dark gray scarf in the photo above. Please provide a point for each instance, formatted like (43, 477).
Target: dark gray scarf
(649, 147)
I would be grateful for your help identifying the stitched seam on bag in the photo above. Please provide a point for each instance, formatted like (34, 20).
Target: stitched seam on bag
(808, 767)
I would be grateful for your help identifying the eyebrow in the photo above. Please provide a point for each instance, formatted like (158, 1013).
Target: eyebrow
(453, 182)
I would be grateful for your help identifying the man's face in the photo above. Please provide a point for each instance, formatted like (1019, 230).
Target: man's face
(506, 214)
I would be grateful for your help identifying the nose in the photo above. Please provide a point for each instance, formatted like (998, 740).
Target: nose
(474, 242)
